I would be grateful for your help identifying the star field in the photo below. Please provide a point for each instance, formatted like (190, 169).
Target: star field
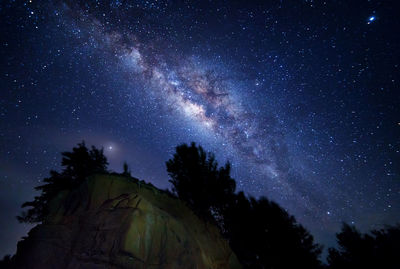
(302, 97)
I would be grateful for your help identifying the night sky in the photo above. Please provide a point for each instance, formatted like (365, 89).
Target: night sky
(302, 97)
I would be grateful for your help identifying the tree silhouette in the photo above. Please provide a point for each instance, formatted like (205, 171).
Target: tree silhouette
(77, 165)
(82, 162)
(126, 170)
(263, 235)
(7, 262)
(378, 249)
(197, 179)
(260, 232)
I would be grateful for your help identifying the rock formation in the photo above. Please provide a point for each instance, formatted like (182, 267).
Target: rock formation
(112, 221)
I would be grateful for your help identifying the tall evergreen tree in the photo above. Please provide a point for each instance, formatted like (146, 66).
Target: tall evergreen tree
(197, 179)
(260, 232)
(77, 165)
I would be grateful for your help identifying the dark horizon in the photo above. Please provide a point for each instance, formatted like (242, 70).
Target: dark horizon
(301, 97)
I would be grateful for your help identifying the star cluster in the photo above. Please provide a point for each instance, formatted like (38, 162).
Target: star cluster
(302, 97)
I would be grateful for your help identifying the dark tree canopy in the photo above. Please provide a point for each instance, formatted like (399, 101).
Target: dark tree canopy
(197, 179)
(260, 232)
(378, 249)
(82, 162)
(7, 262)
(263, 235)
(77, 165)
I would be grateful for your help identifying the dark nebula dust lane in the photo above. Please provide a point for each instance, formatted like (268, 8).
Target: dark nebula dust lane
(303, 98)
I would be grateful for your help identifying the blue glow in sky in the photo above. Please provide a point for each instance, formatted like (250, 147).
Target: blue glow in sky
(371, 19)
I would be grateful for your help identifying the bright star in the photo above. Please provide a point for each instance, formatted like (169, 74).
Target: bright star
(371, 19)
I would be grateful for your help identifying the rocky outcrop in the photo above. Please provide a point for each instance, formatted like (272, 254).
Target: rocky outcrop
(119, 222)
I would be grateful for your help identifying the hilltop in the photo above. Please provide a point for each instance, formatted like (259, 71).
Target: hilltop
(115, 221)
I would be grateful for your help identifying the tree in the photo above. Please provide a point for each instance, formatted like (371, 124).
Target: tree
(77, 165)
(7, 262)
(263, 235)
(197, 180)
(126, 170)
(260, 232)
(378, 249)
(82, 162)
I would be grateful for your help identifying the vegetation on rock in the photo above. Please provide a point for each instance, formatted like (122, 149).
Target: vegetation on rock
(259, 231)
(197, 180)
(77, 165)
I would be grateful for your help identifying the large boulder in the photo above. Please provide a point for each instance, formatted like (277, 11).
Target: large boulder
(113, 221)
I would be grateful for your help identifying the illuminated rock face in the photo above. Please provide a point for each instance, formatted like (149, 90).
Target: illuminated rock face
(117, 222)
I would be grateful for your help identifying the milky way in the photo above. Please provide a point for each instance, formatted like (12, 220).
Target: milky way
(302, 98)
(200, 94)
